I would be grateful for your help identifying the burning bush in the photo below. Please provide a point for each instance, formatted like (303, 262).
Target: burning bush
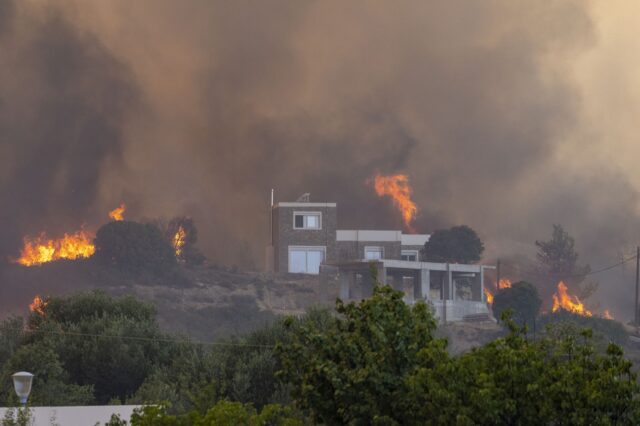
(182, 234)
(134, 247)
(522, 298)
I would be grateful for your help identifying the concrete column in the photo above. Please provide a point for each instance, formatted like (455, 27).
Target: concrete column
(367, 286)
(449, 284)
(482, 284)
(345, 279)
(422, 285)
(382, 274)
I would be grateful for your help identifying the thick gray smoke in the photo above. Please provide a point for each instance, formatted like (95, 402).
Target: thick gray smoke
(200, 107)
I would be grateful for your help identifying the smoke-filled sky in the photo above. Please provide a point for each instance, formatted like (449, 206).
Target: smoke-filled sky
(507, 116)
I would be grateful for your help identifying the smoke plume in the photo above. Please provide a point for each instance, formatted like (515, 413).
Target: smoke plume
(200, 107)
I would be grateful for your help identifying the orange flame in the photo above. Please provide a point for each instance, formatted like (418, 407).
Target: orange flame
(488, 296)
(607, 315)
(563, 300)
(117, 214)
(38, 304)
(397, 187)
(179, 241)
(40, 249)
(504, 283)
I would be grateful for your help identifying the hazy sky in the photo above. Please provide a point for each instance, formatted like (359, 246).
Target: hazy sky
(507, 116)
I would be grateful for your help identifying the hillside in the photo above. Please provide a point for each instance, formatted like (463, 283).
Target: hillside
(203, 302)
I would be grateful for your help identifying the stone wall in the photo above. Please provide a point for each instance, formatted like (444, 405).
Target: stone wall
(286, 235)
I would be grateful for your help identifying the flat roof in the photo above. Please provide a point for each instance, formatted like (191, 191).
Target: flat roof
(303, 204)
(382, 236)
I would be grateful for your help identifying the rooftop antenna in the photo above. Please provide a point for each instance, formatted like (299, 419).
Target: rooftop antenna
(304, 198)
(271, 218)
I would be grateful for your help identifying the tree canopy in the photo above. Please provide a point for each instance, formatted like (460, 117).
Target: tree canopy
(558, 261)
(522, 299)
(134, 247)
(459, 244)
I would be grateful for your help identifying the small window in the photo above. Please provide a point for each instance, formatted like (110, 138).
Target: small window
(373, 253)
(410, 255)
(307, 221)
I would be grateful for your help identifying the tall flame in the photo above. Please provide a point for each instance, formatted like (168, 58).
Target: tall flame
(40, 249)
(489, 296)
(179, 241)
(117, 214)
(38, 304)
(398, 188)
(563, 300)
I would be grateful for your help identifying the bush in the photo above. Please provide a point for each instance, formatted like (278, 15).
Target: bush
(522, 298)
(134, 247)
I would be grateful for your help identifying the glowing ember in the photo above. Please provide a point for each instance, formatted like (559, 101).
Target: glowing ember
(40, 249)
(563, 300)
(607, 315)
(488, 296)
(397, 187)
(179, 241)
(37, 305)
(504, 283)
(118, 213)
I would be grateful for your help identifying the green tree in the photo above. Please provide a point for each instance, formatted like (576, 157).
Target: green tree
(459, 244)
(353, 370)
(518, 381)
(89, 347)
(522, 299)
(557, 260)
(133, 247)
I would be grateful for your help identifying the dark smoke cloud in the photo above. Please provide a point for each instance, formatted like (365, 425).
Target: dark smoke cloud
(63, 99)
(200, 107)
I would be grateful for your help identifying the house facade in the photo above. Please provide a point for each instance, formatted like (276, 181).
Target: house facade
(305, 236)
(305, 239)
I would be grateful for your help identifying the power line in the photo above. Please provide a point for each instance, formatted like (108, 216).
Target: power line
(151, 339)
(586, 274)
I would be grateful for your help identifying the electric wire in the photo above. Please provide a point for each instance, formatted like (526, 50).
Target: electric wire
(150, 339)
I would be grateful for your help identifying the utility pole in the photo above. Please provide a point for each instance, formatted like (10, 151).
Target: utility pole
(637, 284)
(498, 275)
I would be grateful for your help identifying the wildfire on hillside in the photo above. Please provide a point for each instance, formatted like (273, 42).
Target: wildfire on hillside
(38, 304)
(563, 300)
(117, 214)
(41, 249)
(179, 240)
(397, 187)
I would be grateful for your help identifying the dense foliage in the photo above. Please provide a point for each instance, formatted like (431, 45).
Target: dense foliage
(134, 248)
(522, 299)
(459, 244)
(379, 364)
(373, 362)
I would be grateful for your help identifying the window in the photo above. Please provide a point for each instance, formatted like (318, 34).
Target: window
(411, 255)
(307, 221)
(305, 260)
(373, 253)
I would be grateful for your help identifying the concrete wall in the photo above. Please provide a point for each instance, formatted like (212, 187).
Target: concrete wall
(285, 235)
(354, 250)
